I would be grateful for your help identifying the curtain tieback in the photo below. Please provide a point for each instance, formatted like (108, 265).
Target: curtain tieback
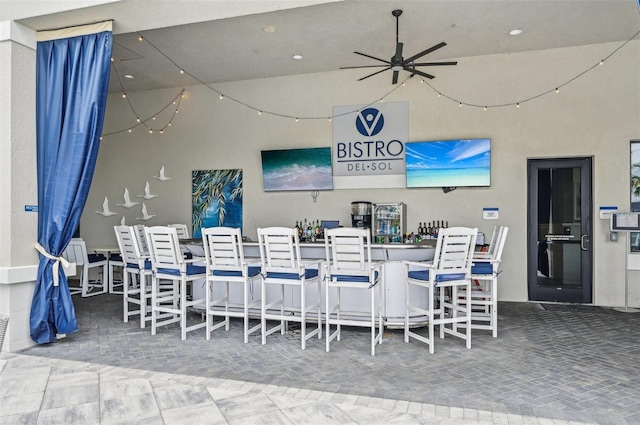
(56, 265)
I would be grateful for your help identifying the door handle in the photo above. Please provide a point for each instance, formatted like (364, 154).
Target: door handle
(583, 239)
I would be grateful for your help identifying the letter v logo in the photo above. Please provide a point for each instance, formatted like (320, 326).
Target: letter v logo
(369, 122)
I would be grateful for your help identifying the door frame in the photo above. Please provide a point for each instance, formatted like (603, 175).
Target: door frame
(583, 293)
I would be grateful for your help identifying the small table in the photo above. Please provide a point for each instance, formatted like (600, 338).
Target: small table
(107, 251)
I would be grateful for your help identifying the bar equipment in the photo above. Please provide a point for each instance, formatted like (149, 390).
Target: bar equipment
(361, 214)
(389, 222)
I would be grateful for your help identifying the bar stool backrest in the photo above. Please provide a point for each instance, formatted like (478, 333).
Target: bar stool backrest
(454, 251)
(223, 248)
(128, 244)
(182, 229)
(279, 250)
(143, 246)
(164, 248)
(348, 251)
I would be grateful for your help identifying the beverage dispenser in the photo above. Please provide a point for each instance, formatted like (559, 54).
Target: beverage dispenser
(361, 214)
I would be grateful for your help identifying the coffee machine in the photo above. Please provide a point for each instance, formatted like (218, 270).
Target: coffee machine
(361, 214)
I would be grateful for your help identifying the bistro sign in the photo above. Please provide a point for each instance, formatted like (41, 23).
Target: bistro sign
(368, 145)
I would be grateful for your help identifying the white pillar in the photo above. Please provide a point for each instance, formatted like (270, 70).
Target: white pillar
(18, 180)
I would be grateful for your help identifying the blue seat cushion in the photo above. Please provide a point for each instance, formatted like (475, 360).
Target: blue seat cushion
(96, 257)
(252, 271)
(147, 265)
(191, 270)
(115, 257)
(349, 278)
(308, 274)
(482, 267)
(424, 275)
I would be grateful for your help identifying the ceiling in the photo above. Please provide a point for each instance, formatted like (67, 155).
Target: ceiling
(224, 47)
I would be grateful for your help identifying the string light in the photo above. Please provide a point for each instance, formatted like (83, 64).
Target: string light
(422, 81)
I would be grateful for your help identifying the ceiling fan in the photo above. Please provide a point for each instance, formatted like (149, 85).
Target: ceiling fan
(398, 63)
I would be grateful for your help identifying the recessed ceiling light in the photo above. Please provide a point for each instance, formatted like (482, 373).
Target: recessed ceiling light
(128, 76)
(297, 57)
(515, 32)
(269, 29)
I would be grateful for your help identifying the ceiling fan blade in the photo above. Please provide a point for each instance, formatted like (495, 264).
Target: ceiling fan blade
(434, 63)
(398, 55)
(418, 72)
(372, 57)
(362, 66)
(429, 50)
(395, 77)
(375, 73)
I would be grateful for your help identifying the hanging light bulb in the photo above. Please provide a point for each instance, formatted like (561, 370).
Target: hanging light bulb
(154, 118)
(140, 38)
(182, 71)
(439, 94)
(601, 61)
(460, 104)
(259, 112)
(161, 131)
(557, 90)
(485, 108)
(518, 105)
(169, 124)
(124, 95)
(138, 119)
(329, 119)
(150, 131)
(296, 119)
(129, 130)
(221, 96)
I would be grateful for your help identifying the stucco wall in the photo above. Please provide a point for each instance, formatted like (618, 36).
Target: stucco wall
(596, 115)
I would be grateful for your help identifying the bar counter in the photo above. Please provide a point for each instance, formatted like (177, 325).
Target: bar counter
(393, 280)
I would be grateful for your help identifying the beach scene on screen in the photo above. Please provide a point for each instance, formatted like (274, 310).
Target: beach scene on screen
(297, 169)
(449, 163)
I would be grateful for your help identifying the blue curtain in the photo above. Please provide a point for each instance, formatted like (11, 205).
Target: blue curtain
(72, 78)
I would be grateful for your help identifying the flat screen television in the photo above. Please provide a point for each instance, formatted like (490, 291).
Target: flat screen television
(297, 169)
(449, 163)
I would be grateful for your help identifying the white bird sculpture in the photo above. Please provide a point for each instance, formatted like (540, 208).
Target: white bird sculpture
(122, 223)
(145, 215)
(162, 177)
(127, 200)
(105, 209)
(147, 193)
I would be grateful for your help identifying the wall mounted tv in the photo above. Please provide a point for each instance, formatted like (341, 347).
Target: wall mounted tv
(449, 163)
(297, 169)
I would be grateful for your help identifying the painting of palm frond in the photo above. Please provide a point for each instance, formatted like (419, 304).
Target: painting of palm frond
(216, 199)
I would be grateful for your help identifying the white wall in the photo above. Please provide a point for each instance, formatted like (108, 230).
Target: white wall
(596, 115)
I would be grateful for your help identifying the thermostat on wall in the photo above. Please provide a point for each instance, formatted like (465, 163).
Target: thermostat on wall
(605, 212)
(490, 213)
